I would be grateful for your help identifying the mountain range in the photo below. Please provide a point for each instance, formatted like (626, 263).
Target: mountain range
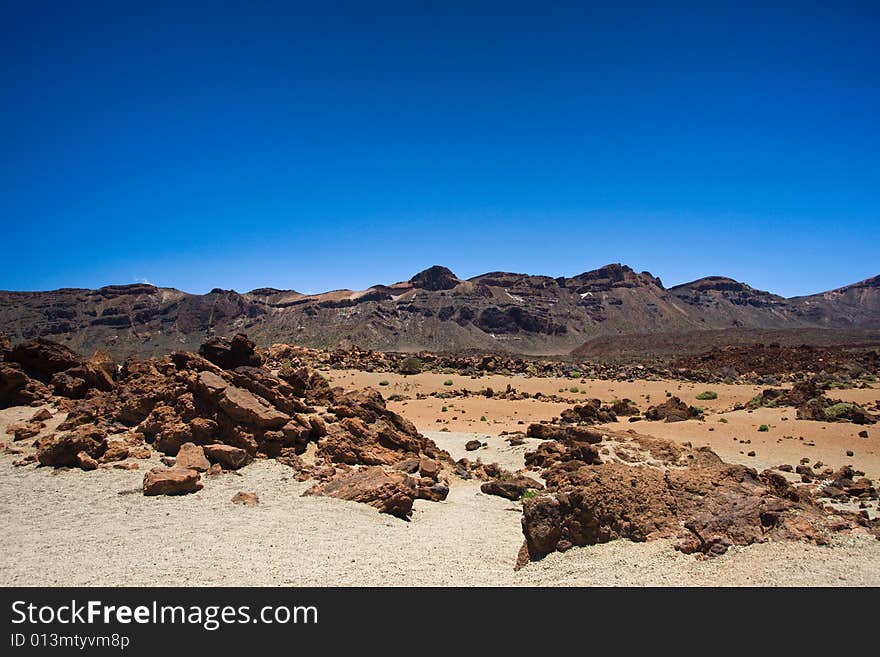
(434, 310)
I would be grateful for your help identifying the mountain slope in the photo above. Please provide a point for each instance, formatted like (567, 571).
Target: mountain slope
(433, 310)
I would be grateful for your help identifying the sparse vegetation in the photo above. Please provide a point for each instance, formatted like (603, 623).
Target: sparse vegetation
(707, 395)
(528, 495)
(411, 365)
(723, 420)
(837, 411)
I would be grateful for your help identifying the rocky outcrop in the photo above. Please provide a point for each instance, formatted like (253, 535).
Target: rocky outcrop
(813, 404)
(18, 389)
(511, 487)
(671, 491)
(229, 354)
(64, 449)
(435, 278)
(672, 410)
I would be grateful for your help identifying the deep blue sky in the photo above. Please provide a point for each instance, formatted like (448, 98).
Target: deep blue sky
(259, 144)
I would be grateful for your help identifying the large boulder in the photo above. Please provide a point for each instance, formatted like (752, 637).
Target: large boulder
(228, 456)
(171, 481)
(672, 410)
(41, 358)
(390, 491)
(512, 488)
(694, 497)
(63, 449)
(240, 404)
(192, 457)
(590, 412)
(18, 389)
(229, 354)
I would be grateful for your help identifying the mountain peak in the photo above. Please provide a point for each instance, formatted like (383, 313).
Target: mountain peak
(434, 279)
(614, 275)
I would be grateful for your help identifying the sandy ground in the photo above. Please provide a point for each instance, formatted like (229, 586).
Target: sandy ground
(71, 528)
(787, 439)
(67, 527)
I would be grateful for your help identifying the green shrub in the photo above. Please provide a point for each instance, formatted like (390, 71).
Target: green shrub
(703, 396)
(411, 365)
(837, 411)
(383, 382)
(444, 409)
(528, 495)
(763, 427)
(505, 372)
(483, 418)
(723, 420)
(448, 382)
(574, 389)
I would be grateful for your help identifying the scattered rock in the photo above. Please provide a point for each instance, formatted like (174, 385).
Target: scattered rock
(171, 481)
(245, 499)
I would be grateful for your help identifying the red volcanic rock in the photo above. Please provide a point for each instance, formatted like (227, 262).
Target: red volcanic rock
(192, 456)
(86, 462)
(240, 404)
(391, 492)
(171, 481)
(18, 389)
(229, 354)
(245, 499)
(672, 410)
(63, 449)
(41, 358)
(511, 488)
(116, 451)
(227, 455)
(693, 496)
(564, 433)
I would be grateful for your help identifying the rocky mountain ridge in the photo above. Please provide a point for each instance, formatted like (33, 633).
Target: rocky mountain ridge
(434, 310)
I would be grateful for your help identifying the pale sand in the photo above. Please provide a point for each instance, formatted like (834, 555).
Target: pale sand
(73, 528)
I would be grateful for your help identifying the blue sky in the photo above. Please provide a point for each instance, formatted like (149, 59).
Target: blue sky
(242, 145)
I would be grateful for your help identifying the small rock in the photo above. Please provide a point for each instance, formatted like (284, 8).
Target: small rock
(245, 499)
(472, 445)
(85, 461)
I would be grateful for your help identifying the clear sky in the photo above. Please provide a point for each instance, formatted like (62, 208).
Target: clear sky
(242, 145)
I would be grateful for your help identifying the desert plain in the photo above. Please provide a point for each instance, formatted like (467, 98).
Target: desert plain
(288, 514)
